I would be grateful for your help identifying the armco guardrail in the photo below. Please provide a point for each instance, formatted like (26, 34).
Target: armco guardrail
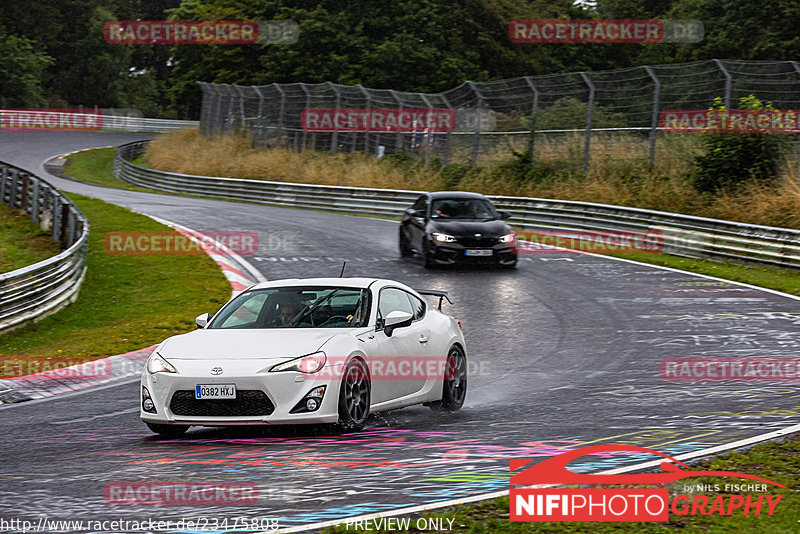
(683, 235)
(31, 293)
(142, 124)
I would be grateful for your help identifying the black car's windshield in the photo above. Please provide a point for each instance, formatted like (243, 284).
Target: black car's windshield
(296, 307)
(463, 209)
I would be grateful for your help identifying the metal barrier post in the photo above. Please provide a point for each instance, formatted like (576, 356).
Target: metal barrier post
(654, 117)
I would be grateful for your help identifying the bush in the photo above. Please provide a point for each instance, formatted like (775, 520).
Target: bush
(732, 159)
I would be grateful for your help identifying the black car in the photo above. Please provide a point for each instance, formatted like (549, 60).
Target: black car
(448, 227)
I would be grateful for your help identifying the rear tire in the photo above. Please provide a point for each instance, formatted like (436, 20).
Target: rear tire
(454, 389)
(405, 248)
(354, 396)
(168, 431)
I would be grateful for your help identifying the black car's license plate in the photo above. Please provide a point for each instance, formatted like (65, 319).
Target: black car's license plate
(478, 252)
(215, 391)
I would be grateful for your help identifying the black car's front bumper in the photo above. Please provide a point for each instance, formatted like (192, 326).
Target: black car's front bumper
(444, 253)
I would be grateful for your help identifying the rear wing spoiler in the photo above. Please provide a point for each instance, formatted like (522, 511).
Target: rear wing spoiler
(436, 293)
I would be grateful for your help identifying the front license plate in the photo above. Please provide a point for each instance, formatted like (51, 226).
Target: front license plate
(478, 252)
(215, 391)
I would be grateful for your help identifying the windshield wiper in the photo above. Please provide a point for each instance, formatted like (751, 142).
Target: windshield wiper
(309, 309)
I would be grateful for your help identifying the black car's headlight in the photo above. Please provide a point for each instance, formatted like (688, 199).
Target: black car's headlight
(443, 238)
(310, 363)
(157, 364)
(508, 238)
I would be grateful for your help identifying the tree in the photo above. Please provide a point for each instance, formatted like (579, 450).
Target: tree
(21, 70)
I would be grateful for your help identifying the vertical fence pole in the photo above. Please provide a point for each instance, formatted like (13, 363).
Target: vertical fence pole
(427, 137)
(449, 138)
(281, 114)
(218, 100)
(242, 115)
(308, 106)
(3, 181)
(35, 202)
(399, 139)
(654, 117)
(258, 124)
(728, 82)
(534, 111)
(369, 105)
(589, 113)
(335, 136)
(476, 140)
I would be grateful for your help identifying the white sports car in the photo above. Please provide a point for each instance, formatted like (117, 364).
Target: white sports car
(321, 350)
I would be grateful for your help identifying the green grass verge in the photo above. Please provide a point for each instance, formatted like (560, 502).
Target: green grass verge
(127, 301)
(95, 167)
(22, 242)
(776, 461)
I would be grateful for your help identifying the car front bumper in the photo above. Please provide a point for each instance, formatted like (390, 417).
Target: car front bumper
(456, 253)
(263, 399)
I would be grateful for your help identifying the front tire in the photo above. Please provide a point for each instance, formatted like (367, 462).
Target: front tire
(168, 431)
(354, 396)
(405, 248)
(454, 389)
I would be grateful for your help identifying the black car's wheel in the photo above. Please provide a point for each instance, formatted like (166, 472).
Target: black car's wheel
(427, 258)
(354, 396)
(168, 431)
(454, 389)
(405, 248)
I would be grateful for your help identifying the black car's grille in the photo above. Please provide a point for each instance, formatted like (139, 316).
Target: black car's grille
(477, 241)
(247, 402)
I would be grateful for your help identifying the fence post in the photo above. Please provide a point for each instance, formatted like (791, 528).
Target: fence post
(258, 125)
(534, 111)
(369, 104)
(35, 202)
(476, 140)
(399, 139)
(56, 215)
(449, 133)
(654, 118)
(281, 114)
(429, 135)
(308, 106)
(12, 201)
(218, 101)
(3, 180)
(728, 82)
(589, 113)
(335, 136)
(243, 116)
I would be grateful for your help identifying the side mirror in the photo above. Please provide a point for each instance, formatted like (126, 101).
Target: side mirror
(202, 320)
(396, 319)
(504, 214)
(418, 213)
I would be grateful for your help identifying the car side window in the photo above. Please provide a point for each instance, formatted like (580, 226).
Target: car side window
(417, 305)
(393, 299)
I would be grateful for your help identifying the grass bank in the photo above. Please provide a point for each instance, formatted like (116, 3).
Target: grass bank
(776, 461)
(619, 174)
(127, 301)
(22, 242)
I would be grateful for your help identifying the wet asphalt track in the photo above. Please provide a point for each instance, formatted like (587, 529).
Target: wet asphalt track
(564, 351)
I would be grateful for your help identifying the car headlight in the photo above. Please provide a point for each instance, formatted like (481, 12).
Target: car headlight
(508, 238)
(443, 238)
(157, 364)
(310, 363)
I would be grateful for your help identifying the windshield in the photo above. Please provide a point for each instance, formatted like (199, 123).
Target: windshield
(296, 307)
(463, 208)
